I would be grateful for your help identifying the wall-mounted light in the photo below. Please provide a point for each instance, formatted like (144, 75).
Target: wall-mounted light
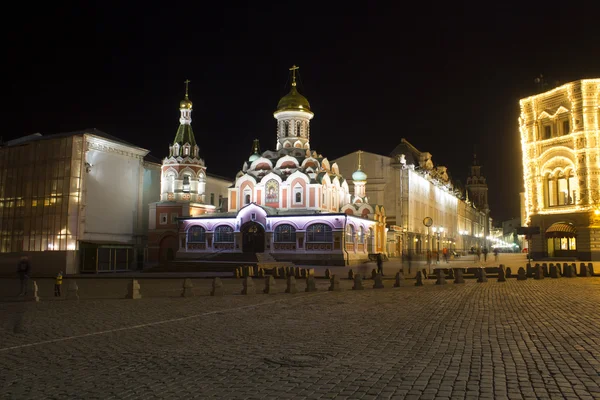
(88, 167)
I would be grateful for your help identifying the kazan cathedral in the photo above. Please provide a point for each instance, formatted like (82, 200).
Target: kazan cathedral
(290, 203)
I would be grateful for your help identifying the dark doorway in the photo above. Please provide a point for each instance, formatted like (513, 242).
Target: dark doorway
(253, 238)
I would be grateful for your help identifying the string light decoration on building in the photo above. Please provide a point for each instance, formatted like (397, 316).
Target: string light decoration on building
(560, 137)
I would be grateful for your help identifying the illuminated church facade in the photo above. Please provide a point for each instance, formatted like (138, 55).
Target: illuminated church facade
(560, 137)
(290, 203)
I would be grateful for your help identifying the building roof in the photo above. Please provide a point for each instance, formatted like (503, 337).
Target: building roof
(91, 131)
(184, 135)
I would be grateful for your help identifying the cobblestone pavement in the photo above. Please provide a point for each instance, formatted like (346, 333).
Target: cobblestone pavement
(517, 340)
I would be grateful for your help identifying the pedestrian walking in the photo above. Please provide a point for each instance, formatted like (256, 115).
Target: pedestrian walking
(478, 253)
(24, 271)
(379, 264)
(496, 256)
(485, 252)
(57, 284)
(445, 253)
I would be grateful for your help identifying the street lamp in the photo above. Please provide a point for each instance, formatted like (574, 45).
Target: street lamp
(438, 232)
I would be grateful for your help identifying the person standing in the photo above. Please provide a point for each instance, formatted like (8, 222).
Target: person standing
(379, 264)
(496, 251)
(485, 253)
(57, 284)
(24, 271)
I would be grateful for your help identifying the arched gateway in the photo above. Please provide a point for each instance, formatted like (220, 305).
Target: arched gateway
(253, 238)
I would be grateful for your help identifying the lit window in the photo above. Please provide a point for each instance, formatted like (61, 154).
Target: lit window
(319, 233)
(223, 234)
(186, 183)
(285, 233)
(349, 234)
(196, 234)
(361, 236)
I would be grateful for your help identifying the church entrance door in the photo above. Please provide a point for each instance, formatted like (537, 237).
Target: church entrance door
(253, 238)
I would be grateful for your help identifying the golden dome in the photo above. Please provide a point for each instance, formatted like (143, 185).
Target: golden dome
(293, 101)
(185, 103)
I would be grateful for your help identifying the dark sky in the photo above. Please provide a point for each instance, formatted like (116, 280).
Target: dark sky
(446, 78)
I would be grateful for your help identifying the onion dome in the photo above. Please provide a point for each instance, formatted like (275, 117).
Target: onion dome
(359, 176)
(293, 101)
(186, 103)
(255, 151)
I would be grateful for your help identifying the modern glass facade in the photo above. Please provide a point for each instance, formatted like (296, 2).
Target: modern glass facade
(40, 185)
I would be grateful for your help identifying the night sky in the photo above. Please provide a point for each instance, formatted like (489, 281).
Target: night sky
(446, 78)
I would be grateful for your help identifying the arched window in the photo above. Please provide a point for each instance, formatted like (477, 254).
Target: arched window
(285, 233)
(247, 199)
(298, 197)
(170, 182)
(196, 234)
(223, 234)
(561, 189)
(319, 233)
(186, 183)
(361, 235)
(349, 234)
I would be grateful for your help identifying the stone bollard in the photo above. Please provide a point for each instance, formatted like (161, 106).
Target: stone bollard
(357, 282)
(378, 284)
(538, 272)
(311, 285)
(373, 273)
(327, 274)
(419, 281)
(269, 285)
(248, 288)
(32, 292)
(334, 284)
(583, 270)
(188, 288)
(350, 274)
(72, 290)
(399, 279)
(529, 271)
(508, 272)
(554, 271)
(291, 285)
(545, 270)
(560, 270)
(501, 274)
(458, 276)
(574, 268)
(217, 287)
(522, 275)
(568, 271)
(482, 276)
(441, 277)
(591, 269)
(133, 290)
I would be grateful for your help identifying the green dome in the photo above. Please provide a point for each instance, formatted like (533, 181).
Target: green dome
(359, 176)
(293, 101)
(254, 157)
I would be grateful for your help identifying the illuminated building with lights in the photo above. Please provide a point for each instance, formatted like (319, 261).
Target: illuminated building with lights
(185, 190)
(74, 202)
(290, 203)
(560, 133)
(411, 189)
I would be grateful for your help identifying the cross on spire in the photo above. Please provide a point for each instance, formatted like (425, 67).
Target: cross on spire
(293, 69)
(359, 154)
(187, 81)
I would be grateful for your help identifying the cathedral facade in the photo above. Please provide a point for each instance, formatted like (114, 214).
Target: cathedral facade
(290, 202)
(560, 137)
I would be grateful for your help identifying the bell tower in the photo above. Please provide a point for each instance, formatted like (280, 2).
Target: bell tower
(293, 117)
(183, 176)
(477, 187)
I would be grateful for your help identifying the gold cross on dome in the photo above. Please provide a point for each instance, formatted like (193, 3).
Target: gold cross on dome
(187, 81)
(293, 69)
(359, 153)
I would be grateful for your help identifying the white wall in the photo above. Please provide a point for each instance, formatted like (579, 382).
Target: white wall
(218, 186)
(112, 190)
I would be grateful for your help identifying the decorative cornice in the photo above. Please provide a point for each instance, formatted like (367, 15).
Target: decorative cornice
(100, 144)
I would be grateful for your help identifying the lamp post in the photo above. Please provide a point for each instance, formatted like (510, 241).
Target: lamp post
(438, 231)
